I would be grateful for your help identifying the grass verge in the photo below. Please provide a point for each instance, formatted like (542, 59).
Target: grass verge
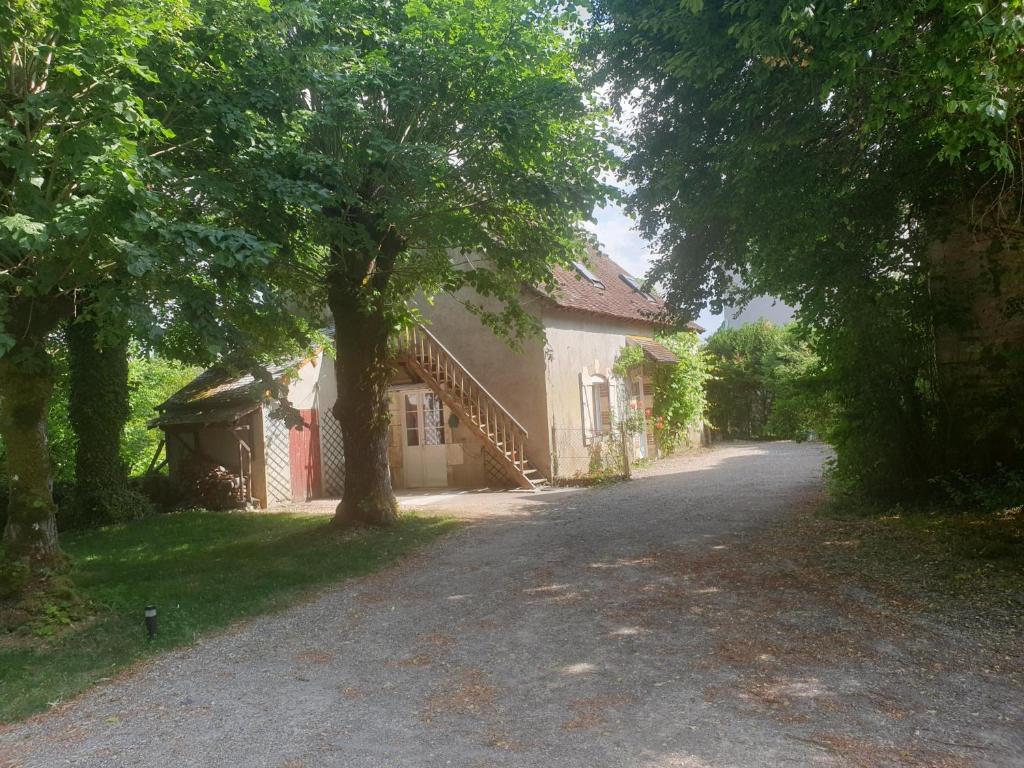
(203, 571)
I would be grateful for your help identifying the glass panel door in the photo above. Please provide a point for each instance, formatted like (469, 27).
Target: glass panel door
(433, 419)
(425, 459)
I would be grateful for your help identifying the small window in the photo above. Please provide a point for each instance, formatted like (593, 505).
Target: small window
(582, 269)
(633, 283)
(595, 400)
(433, 419)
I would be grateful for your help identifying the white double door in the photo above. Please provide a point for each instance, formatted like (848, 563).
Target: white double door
(423, 421)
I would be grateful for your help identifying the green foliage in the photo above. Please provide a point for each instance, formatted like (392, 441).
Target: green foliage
(433, 135)
(151, 380)
(202, 570)
(105, 211)
(398, 150)
(764, 383)
(817, 154)
(679, 399)
(630, 358)
(98, 408)
(60, 435)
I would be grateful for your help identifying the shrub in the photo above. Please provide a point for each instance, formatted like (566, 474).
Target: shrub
(765, 383)
(162, 492)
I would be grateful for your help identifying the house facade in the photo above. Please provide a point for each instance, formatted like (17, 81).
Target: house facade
(467, 411)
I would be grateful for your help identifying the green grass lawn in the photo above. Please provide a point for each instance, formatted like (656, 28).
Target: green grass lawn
(203, 570)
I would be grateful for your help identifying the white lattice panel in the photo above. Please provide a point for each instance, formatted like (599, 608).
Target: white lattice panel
(275, 439)
(332, 452)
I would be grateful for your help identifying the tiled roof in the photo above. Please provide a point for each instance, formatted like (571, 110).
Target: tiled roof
(220, 394)
(654, 351)
(615, 297)
(217, 395)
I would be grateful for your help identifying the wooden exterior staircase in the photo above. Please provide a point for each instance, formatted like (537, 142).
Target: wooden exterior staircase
(502, 435)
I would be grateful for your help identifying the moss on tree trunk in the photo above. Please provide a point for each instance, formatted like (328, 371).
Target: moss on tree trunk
(363, 368)
(98, 410)
(977, 284)
(25, 390)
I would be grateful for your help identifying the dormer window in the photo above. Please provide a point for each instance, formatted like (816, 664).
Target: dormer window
(587, 274)
(632, 283)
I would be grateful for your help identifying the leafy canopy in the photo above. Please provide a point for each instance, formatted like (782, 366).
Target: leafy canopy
(814, 148)
(417, 136)
(817, 152)
(94, 198)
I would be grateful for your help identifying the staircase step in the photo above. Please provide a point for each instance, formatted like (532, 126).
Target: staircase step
(443, 372)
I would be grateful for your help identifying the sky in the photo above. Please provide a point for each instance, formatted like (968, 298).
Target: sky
(616, 232)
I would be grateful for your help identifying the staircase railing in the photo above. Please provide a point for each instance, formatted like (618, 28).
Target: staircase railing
(505, 435)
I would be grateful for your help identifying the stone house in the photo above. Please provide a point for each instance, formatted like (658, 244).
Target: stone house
(466, 410)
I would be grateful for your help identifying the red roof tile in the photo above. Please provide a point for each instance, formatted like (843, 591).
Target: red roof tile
(653, 350)
(615, 297)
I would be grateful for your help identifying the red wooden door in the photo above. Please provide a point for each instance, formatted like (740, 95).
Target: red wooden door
(304, 457)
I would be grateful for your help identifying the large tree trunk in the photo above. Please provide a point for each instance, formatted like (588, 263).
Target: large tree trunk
(364, 368)
(26, 384)
(977, 284)
(98, 409)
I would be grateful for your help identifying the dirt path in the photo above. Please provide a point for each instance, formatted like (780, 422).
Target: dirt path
(657, 623)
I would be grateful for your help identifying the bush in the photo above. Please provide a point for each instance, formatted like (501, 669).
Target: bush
(163, 493)
(765, 383)
(122, 507)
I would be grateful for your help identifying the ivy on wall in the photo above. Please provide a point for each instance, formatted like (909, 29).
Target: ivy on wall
(679, 396)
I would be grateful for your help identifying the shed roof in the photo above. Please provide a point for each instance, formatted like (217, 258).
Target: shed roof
(654, 351)
(217, 395)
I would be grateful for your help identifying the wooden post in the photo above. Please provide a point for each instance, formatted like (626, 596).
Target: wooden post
(627, 473)
(156, 455)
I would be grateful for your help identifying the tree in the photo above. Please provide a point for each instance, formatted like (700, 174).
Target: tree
(860, 160)
(98, 225)
(98, 410)
(764, 382)
(454, 145)
(70, 174)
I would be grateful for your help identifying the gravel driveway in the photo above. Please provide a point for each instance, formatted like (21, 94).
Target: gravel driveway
(621, 626)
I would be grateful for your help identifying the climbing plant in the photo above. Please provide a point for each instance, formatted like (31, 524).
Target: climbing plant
(679, 399)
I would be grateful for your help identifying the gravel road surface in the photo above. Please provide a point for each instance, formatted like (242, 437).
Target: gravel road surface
(628, 625)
